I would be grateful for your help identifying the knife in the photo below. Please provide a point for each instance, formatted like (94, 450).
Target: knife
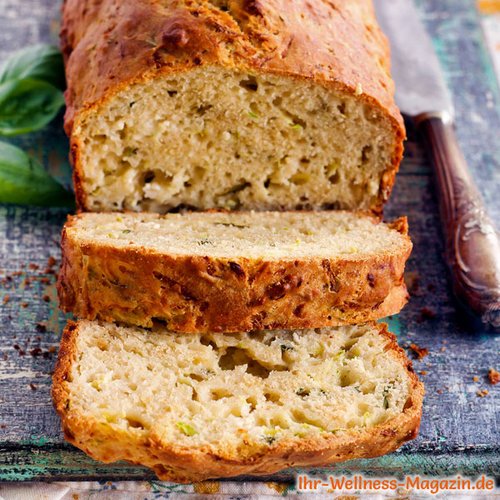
(472, 246)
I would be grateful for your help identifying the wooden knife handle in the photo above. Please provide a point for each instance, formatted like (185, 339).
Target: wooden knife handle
(471, 239)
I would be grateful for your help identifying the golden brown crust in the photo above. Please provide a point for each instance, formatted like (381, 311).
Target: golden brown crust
(182, 464)
(202, 294)
(110, 45)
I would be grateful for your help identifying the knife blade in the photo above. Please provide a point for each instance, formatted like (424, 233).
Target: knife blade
(420, 86)
(471, 240)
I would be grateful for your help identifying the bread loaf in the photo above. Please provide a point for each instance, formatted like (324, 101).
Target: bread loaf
(233, 271)
(202, 406)
(252, 104)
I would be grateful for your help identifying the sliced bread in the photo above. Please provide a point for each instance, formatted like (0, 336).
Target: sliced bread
(268, 104)
(223, 271)
(202, 406)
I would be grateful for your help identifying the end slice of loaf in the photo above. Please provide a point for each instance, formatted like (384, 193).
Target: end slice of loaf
(201, 272)
(202, 406)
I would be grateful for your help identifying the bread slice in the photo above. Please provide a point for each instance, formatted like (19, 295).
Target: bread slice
(202, 406)
(223, 271)
(267, 104)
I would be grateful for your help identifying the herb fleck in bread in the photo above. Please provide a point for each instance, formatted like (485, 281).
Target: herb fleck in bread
(202, 406)
(254, 104)
(201, 272)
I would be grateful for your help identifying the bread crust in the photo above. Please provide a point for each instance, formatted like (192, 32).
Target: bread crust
(113, 44)
(141, 287)
(182, 464)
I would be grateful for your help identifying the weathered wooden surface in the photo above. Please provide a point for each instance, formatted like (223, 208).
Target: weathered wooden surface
(459, 429)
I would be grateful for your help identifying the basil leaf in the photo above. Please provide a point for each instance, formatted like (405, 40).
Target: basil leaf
(25, 182)
(27, 105)
(40, 62)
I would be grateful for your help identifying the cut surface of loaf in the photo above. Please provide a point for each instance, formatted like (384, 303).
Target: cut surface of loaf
(227, 271)
(202, 406)
(229, 103)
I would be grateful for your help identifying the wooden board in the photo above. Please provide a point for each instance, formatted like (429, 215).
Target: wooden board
(459, 429)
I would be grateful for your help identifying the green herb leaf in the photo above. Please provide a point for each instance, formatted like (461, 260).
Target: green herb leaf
(231, 224)
(205, 241)
(24, 181)
(387, 390)
(27, 105)
(302, 392)
(270, 435)
(339, 355)
(186, 429)
(39, 62)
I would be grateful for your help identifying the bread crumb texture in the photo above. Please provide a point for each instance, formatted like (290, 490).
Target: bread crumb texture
(236, 397)
(269, 235)
(212, 138)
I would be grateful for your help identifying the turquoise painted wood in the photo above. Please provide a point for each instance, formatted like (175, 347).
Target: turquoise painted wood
(459, 429)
